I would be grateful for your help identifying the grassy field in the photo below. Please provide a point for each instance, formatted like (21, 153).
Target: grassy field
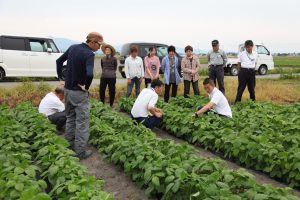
(287, 61)
(281, 91)
(280, 61)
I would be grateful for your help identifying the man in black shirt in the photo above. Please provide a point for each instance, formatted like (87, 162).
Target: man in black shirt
(79, 76)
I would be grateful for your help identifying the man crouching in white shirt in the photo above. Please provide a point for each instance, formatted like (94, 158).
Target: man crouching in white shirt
(218, 103)
(53, 108)
(144, 110)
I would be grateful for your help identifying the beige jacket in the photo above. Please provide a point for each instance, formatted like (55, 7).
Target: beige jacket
(187, 68)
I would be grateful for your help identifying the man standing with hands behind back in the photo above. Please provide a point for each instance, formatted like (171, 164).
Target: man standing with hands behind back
(79, 76)
(217, 60)
(246, 66)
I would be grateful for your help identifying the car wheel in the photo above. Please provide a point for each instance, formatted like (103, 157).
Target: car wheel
(262, 70)
(234, 70)
(2, 74)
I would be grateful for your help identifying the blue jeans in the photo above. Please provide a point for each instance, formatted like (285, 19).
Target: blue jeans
(137, 83)
(150, 121)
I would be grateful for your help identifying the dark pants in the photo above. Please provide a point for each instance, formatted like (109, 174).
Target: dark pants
(246, 78)
(111, 83)
(187, 85)
(59, 119)
(211, 111)
(216, 73)
(147, 82)
(167, 91)
(137, 83)
(150, 121)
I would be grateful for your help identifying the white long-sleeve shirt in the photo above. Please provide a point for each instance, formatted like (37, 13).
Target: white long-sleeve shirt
(134, 67)
(51, 104)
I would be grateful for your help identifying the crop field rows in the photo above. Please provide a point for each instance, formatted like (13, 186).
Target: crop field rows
(35, 163)
(261, 136)
(165, 170)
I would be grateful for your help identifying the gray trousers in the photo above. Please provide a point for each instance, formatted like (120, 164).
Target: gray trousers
(77, 113)
(59, 119)
(216, 73)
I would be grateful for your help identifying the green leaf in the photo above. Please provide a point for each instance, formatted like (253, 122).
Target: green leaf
(42, 183)
(169, 187)
(53, 170)
(123, 158)
(30, 171)
(72, 187)
(260, 197)
(176, 186)
(147, 175)
(19, 186)
(169, 178)
(18, 170)
(155, 181)
(228, 178)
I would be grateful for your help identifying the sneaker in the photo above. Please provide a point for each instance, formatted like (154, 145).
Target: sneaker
(84, 154)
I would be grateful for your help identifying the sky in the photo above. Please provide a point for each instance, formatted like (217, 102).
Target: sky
(274, 23)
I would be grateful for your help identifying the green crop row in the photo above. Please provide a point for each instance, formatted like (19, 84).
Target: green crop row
(263, 136)
(168, 170)
(17, 172)
(59, 172)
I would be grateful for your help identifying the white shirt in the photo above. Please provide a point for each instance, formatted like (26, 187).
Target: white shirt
(221, 104)
(51, 104)
(134, 67)
(248, 60)
(146, 99)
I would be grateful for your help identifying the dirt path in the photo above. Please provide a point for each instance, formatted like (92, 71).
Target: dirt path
(260, 177)
(116, 182)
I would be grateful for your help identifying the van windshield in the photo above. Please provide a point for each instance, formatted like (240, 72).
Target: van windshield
(162, 51)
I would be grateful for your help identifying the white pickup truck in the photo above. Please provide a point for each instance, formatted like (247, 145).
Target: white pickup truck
(264, 63)
(27, 57)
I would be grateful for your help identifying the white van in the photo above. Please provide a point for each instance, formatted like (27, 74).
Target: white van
(264, 63)
(27, 57)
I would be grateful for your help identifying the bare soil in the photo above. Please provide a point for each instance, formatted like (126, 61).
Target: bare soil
(117, 183)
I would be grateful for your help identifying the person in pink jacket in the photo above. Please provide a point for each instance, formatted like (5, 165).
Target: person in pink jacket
(152, 66)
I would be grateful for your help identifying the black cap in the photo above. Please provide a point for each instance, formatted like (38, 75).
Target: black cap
(215, 42)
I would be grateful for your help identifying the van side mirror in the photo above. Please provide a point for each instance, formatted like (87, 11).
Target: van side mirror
(49, 50)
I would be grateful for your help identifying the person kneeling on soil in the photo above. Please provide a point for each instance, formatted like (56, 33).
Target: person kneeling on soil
(144, 110)
(218, 103)
(53, 108)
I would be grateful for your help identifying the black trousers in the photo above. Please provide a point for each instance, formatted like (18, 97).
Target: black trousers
(246, 77)
(147, 81)
(167, 91)
(111, 83)
(216, 73)
(59, 119)
(150, 121)
(200, 107)
(187, 85)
